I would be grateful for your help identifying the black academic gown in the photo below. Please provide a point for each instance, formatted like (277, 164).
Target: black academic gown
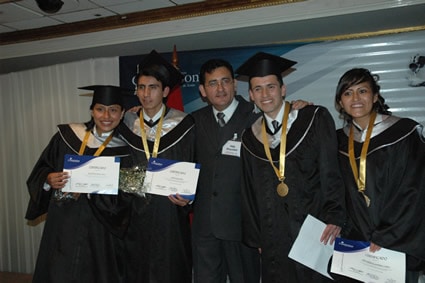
(271, 222)
(395, 184)
(76, 246)
(158, 239)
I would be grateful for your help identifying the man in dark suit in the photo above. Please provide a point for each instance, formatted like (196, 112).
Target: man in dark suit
(218, 252)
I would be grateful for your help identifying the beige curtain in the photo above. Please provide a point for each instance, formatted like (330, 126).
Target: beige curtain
(32, 103)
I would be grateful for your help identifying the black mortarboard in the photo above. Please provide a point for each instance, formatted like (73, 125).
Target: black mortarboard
(264, 64)
(170, 75)
(108, 94)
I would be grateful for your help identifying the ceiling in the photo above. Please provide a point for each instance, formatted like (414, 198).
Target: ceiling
(25, 14)
(84, 29)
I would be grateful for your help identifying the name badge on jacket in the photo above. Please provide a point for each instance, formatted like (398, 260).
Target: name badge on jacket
(232, 148)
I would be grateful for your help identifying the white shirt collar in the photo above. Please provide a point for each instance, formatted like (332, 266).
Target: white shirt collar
(228, 112)
(103, 135)
(378, 119)
(278, 118)
(156, 116)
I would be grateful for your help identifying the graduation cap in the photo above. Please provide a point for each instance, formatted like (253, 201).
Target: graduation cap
(264, 64)
(109, 94)
(154, 63)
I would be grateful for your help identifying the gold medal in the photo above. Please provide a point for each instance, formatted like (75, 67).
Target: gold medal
(359, 173)
(282, 189)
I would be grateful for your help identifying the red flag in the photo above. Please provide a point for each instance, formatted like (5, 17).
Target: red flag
(175, 98)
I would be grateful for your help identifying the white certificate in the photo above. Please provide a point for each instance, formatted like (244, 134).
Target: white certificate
(307, 248)
(353, 259)
(92, 174)
(167, 177)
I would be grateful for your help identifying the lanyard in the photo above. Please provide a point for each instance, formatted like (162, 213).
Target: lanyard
(100, 149)
(157, 135)
(360, 173)
(282, 188)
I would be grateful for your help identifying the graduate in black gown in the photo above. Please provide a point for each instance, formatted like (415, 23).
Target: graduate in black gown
(304, 178)
(158, 239)
(386, 207)
(77, 244)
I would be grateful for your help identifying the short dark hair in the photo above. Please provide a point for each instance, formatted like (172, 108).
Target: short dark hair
(279, 80)
(212, 64)
(159, 72)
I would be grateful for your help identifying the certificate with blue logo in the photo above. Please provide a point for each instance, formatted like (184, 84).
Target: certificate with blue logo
(168, 177)
(353, 259)
(92, 174)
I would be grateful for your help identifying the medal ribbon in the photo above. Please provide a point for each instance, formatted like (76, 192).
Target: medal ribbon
(281, 171)
(100, 149)
(360, 174)
(157, 135)
(97, 153)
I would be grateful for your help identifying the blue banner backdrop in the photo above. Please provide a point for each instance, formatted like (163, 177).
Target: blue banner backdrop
(398, 59)
(189, 64)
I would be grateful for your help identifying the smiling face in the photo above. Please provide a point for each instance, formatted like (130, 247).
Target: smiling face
(151, 94)
(106, 117)
(219, 88)
(267, 94)
(357, 101)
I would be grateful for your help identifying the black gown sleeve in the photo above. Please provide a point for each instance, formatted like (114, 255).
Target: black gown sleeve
(332, 184)
(39, 197)
(250, 214)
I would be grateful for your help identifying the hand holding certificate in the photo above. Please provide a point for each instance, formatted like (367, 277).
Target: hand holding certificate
(168, 177)
(91, 174)
(353, 259)
(307, 248)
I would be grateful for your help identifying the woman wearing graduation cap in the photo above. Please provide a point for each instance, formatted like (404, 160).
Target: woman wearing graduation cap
(77, 245)
(290, 170)
(158, 239)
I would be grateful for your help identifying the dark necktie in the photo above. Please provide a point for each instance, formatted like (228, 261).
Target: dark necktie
(220, 117)
(150, 123)
(275, 125)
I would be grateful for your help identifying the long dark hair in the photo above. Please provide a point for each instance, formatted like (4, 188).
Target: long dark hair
(356, 76)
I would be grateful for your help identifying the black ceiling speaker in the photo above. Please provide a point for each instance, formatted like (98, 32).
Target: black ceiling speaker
(49, 6)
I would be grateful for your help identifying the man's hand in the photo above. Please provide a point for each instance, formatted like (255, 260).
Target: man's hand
(374, 247)
(330, 233)
(134, 109)
(178, 200)
(300, 104)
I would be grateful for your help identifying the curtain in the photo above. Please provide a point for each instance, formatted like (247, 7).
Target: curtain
(32, 103)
